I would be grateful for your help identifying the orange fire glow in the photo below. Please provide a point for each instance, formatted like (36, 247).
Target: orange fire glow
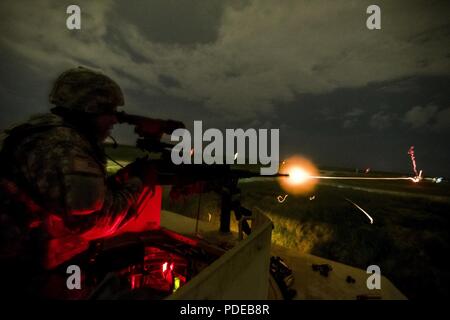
(301, 175)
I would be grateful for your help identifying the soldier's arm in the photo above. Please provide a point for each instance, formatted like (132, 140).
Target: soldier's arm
(73, 185)
(89, 194)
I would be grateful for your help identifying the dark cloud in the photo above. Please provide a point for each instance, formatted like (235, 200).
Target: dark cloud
(381, 120)
(442, 123)
(419, 116)
(169, 81)
(440, 32)
(116, 39)
(172, 22)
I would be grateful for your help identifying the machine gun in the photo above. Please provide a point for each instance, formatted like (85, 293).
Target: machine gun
(220, 178)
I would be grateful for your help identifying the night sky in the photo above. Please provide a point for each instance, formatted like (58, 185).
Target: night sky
(340, 94)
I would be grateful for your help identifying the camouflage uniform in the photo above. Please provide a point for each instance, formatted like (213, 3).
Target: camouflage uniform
(63, 171)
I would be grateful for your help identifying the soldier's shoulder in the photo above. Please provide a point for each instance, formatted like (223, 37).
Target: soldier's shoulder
(64, 135)
(55, 130)
(48, 131)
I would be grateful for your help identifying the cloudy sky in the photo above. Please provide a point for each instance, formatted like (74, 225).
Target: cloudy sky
(340, 94)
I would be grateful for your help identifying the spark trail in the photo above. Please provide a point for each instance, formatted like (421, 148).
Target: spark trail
(413, 160)
(303, 176)
(361, 209)
(414, 179)
(281, 198)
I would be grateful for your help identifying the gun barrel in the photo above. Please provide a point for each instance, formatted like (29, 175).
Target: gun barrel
(250, 174)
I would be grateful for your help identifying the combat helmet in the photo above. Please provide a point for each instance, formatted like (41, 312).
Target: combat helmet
(85, 90)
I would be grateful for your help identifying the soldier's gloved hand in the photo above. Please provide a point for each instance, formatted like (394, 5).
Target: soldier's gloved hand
(145, 170)
(148, 174)
(141, 168)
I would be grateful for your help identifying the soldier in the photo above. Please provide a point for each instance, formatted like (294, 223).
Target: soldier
(55, 196)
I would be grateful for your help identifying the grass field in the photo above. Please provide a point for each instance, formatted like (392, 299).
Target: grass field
(409, 238)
